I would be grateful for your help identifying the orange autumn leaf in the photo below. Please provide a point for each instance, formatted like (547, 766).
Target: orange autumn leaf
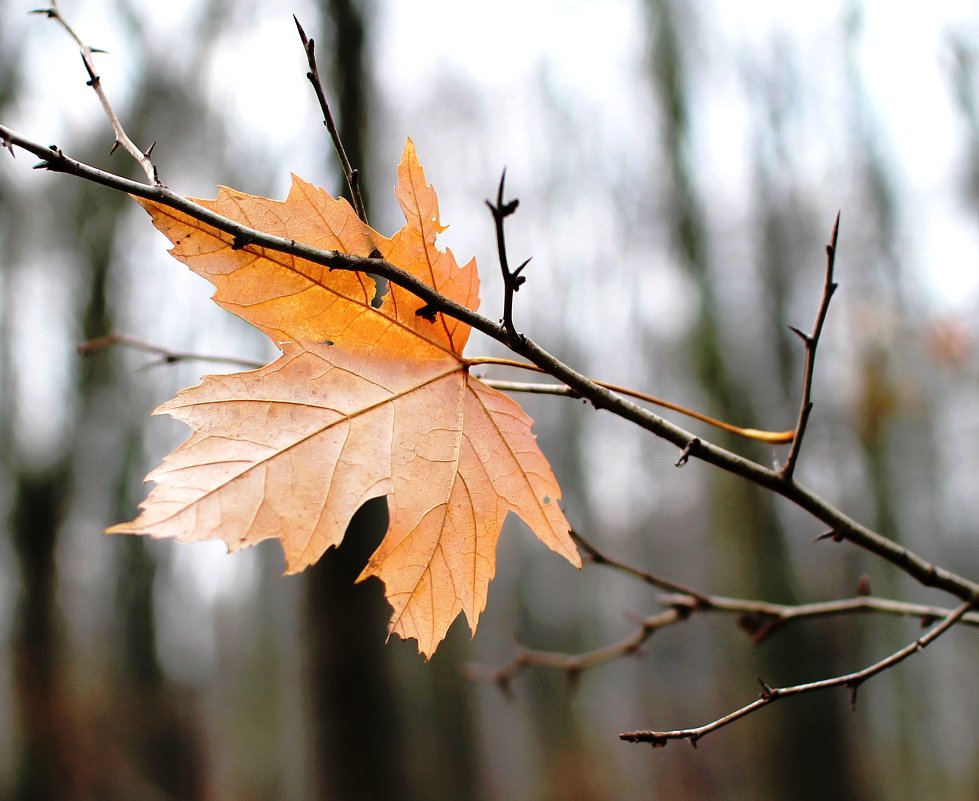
(363, 402)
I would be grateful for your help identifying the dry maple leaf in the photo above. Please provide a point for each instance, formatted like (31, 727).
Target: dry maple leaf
(363, 402)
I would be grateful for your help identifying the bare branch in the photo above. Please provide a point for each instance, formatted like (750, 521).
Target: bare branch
(845, 527)
(781, 613)
(811, 342)
(350, 174)
(512, 279)
(758, 619)
(166, 355)
(574, 664)
(694, 598)
(121, 137)
(769, 695)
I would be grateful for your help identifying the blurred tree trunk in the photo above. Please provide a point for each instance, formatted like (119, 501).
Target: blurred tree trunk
(130, 732)
(359, 737)
(362, 746)
(746, 530)
(41, 764)
(43, 770)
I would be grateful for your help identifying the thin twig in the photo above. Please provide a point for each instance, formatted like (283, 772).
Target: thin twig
(350, 174)
(573, 664)
(121, 137)
(851, 681)
(597, 557)
(780, 613)
(758, 619)
(512, 279)
(759, 435)
(845, 527)
(170, 357)
(166, 355)
(811, 343)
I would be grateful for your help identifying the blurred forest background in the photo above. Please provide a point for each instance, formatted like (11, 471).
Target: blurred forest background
(679, 165)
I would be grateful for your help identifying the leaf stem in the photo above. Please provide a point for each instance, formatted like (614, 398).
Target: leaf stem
(760, 435)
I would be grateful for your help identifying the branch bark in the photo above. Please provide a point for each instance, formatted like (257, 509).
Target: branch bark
(770, 695)
(843, 527)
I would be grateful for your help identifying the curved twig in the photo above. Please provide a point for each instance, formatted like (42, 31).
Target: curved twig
(758, 619)
(759, 435)
(769, 695)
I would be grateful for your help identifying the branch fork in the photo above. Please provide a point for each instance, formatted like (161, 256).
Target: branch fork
(121, 137)
(512, 279)
(681, 602)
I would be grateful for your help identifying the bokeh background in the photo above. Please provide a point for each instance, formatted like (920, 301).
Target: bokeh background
(679, 165)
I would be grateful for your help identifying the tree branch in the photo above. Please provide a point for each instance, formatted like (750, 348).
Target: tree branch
(811, 342)
(121, 137)
(512, 279)
(758, 619)
(843, 526)
(769, 695)
(350, 173)
(573, 664)
(695, 599)
(166, 355)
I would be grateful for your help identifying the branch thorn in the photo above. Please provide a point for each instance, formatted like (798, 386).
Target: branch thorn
(690, 450)
(801, 334)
